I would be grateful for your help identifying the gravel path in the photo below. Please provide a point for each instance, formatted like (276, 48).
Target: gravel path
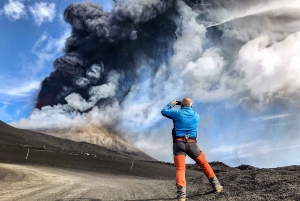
(23, 182)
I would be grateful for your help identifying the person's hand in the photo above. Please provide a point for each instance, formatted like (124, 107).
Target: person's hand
(174, 103)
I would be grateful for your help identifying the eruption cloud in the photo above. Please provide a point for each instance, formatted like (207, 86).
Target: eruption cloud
(121, 67)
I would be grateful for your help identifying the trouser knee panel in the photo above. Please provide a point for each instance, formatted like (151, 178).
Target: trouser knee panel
(204, 166)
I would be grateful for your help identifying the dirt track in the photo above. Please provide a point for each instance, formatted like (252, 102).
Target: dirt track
(58, 170)
(22, 182)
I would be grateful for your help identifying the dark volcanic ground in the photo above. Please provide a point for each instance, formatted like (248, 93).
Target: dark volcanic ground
(60, 169)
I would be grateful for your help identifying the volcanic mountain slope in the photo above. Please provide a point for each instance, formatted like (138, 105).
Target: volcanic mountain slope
(103, 137)
(18, 139)
(34, 166)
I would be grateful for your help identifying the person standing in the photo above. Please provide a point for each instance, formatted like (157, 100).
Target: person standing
(184, 134)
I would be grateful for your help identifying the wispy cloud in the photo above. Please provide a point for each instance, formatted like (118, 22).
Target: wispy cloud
(265, 118)
(22, 90)
(251, 149)
(5, 103)
(43, 12)
(46, 49)
(236, 148)
(14, 9)
(48, 45)
(26, 84)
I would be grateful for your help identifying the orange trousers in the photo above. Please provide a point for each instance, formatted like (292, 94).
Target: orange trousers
(202, 163)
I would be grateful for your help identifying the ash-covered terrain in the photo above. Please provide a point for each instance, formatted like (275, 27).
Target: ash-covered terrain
(35, 166)
(119, 68)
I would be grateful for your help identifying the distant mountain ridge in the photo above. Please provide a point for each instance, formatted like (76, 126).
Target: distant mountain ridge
(99, 136)
(103, 142)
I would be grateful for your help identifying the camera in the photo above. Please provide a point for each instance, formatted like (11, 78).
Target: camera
(178, 103)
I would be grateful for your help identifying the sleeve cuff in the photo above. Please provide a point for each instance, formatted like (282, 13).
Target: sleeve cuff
(170, 105)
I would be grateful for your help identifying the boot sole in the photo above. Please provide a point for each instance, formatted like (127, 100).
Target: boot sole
(219, 190)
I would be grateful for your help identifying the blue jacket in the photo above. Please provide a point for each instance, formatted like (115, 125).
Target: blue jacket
(185, 120)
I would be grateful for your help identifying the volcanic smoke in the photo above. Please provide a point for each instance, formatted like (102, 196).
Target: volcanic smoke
(121, 67)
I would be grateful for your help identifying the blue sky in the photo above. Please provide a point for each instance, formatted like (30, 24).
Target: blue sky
(32, 37)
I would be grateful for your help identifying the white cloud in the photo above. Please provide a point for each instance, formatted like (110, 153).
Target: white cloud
(5, 103)
(47, 48)
(257, 153)
(235, 10)
(48, 45)
(279, 116)
(250, 149)
(23, 90)
(269, 68)
(14, 9)
(43, 12)
(264, 69)
(15, 88)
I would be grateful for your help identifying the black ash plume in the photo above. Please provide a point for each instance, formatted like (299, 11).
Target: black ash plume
(102, 42)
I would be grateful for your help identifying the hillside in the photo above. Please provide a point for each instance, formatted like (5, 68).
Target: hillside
(59, 169)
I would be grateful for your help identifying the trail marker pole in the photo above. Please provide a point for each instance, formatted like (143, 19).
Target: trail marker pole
(27, 154)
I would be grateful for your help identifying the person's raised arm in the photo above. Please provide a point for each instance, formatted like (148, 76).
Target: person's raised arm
(167, 112)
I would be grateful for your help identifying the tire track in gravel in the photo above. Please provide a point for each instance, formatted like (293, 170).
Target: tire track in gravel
(27, 183)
